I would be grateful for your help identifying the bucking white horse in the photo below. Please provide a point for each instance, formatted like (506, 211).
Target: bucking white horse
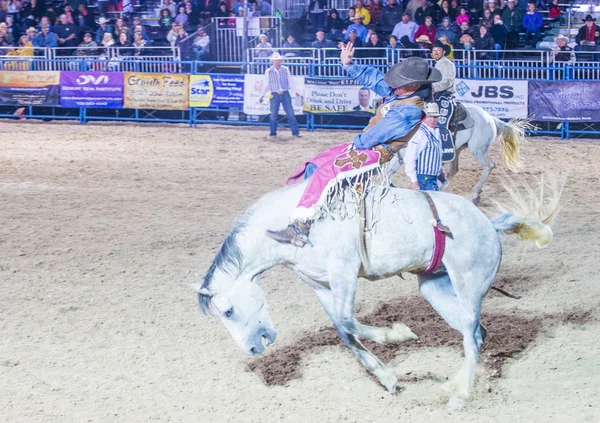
(478, 139)
(400, 240)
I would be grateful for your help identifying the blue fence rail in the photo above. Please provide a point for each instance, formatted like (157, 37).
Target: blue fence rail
(476, 69)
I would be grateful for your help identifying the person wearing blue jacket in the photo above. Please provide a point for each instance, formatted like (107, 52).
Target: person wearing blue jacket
(532, 22)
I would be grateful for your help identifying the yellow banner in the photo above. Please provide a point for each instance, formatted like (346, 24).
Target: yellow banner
(156, 91)
(29, 79)
(201, 90)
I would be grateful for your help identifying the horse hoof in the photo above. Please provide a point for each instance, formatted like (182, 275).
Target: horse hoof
(449, 387)
(388, 378)
(456, 404)
(400, 333)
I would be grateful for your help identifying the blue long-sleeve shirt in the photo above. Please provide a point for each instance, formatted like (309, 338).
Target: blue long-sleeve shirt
(533, 22)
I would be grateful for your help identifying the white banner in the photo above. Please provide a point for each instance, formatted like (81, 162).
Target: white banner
(253, 87)
(501, 99)
(338, 95)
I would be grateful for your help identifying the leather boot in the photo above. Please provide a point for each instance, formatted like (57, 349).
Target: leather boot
(295, 234)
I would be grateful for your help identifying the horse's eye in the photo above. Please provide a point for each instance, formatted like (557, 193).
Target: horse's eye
(228, 313)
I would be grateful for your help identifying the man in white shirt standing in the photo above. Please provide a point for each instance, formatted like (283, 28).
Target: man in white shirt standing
(278, 81)
(423, 157)
(405, 27)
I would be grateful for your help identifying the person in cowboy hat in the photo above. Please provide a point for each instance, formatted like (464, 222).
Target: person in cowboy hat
(444, 90)
(358, 27)
(588, 37)
(279, 82)
(397, 119)
(562, 52)
(423, 156)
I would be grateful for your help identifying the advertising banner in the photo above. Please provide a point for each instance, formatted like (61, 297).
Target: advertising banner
(501, 99)
(156, 91)
(217, 91)
(29, 88)
(91, 89)
(338, 95)
(570, 101)
(253, 87)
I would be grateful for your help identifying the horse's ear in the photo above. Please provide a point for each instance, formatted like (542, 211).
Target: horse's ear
(200, 290)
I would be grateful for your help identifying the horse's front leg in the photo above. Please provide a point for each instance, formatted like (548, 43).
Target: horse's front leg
(384, 374)
(399, 332)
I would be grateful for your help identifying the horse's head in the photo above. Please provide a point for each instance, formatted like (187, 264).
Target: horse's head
(243, 310)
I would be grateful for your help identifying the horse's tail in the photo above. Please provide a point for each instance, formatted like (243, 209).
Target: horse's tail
(530, 216)
(512, 135)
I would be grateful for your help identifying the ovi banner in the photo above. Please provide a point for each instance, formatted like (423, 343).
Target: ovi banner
(501, 99)
(217, 91)
(91, 89)
(253, 88)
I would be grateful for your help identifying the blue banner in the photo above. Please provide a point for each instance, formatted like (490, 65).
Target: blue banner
(91, 89)
(217, 90)
(568, 101)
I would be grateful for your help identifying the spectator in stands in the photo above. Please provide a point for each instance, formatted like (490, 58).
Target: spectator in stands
(264, 7)
(532, 22)
(165, 19)
(454, 10)
(562, 52)
(484, 42)
(193, 14)
(335, 24)
(316, 10)
(411, 8)
(499, 32)
(351, 15)
(487, 19)
(6, 36)
(356, 42)
(184, 43)
(123, 42)
(88, 47)
(443, 11)
(405, 27)
(85, 19)
(12, 28)
(376, 47)
(390, 16)
(31, 34)
(588, 38)
(201, 45)
(513, 18)
(427, 29)
(463, 16)
(68, 12)
(362, 11)
(182, 17)
(102, 29)
(142, 30)
(494, 9)
(25, 50)
(119, 25)
(223, 12)
(465, 28)
(422, 12)
(45, 38)
(253, 11)
(263, 48)
(291, 43)
(475, 11)
(45, 21)
(375, 7)
(555, 13)
(167, 5)
(12, 7)
(358, 27)
(67, 35)
(466, 43)
(444, 40)
(172, 34)
(393, 50)
(139, 44)
(322, 42)
(108, 40)
(446, 29)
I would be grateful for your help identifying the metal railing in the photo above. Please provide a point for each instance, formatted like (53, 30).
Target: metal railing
(228, 41)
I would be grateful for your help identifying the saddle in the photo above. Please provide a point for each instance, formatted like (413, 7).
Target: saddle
(460, 120)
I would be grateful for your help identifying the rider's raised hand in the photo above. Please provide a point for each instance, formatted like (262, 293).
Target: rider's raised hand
(347, 53)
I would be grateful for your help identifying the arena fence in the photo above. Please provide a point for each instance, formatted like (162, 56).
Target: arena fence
(304, 62)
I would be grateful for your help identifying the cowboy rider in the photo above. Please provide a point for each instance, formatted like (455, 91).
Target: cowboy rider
(405, 86)
(443, 91)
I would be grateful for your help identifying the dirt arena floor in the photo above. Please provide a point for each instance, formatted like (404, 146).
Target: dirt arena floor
(103, 226)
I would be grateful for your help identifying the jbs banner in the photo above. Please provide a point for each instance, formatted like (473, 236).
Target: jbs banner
(565, 101)
(338, 95)
(501, 99)
(29, 88)
(91, 89)
(253, 89)
(156, 91)
(217, 91)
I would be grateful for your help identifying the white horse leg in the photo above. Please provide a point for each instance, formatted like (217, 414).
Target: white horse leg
(488, 165)
(453, 166)
(461, 314)
(384, 374)
(394, 165)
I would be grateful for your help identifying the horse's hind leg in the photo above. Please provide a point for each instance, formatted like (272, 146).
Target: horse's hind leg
(399, 332)
(461, 313)
(384, 374)
(481, 156)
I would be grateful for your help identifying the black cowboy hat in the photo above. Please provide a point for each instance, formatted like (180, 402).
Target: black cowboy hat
(443, 46)
(589, 18)
(413, 70)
